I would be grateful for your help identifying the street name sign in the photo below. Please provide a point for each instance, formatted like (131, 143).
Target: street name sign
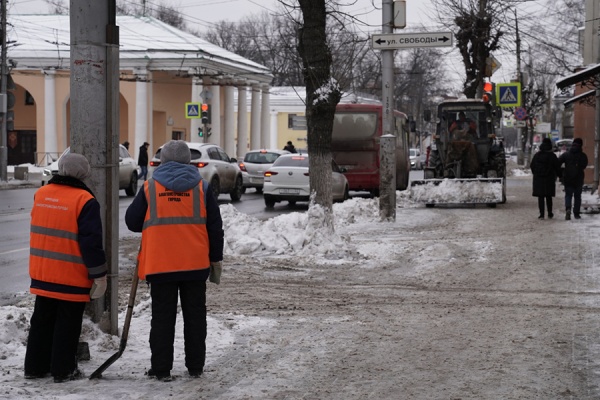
(390, 41)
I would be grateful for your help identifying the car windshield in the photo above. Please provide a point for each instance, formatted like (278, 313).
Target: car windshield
(259, 157)
(413, 153)
(457, 115)
(294, 161)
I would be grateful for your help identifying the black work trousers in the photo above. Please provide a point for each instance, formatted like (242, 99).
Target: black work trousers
(164, 315)
(53, 336)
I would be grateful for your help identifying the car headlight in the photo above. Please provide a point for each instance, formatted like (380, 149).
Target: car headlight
(46, 172)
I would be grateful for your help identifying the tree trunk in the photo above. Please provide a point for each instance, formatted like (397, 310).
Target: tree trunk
(322, 96)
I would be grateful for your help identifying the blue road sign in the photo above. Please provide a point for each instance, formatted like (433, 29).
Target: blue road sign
(508, 94)
(192, 110)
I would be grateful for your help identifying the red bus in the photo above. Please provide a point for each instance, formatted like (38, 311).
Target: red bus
(355, 145)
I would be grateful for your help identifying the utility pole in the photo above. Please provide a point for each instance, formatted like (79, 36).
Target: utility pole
(522, 147)
(387, 144)
(4, 102)
(95, 127)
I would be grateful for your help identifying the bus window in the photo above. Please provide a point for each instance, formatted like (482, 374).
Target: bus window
(354, 126)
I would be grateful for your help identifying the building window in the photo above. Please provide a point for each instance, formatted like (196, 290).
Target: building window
(29, 101)
(178, 135)
(291, 121)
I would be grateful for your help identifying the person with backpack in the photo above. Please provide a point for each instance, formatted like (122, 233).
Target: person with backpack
(575, 161)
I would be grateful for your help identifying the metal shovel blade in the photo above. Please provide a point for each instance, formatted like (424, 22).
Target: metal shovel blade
(134, 284)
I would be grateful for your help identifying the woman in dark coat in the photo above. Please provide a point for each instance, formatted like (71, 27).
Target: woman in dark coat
(545, 168)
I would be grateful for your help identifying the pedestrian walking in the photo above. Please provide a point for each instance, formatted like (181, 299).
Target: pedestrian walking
(67, 265)
(290, 147)
(545, 169)
(143, 160)
(182, 245)
(575, 161)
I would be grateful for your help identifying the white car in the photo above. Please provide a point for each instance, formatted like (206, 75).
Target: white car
(415, 159)
(215, 166)
(287, 180)
(128, 171)
(254, 165)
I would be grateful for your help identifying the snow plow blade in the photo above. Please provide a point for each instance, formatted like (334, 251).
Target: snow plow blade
(458, 191)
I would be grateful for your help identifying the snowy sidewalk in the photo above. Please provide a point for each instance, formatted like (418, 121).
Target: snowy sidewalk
(450, 302)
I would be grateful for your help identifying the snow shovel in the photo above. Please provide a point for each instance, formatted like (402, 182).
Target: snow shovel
(134, 284)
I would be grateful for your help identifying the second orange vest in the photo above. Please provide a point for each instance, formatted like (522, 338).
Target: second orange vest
(174, 236)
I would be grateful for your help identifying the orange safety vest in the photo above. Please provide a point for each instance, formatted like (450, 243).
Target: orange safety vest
(174, 236)
(55, 257)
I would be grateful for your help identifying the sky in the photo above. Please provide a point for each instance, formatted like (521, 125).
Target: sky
(358, 233)
(421, 15)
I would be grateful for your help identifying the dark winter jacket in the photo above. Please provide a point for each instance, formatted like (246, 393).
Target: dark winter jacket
(180, 178)
(290, 147)
(545, 169)
(575, 161)
(143, 157)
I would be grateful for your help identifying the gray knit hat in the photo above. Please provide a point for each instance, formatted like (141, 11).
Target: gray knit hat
(74, 165)
(175, 150)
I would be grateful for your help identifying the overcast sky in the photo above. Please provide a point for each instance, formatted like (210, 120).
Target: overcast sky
(202, 14)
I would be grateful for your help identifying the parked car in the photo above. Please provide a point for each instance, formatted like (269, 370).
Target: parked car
(128, 171)
(415, 159)
(254, 165)
(215, 166)
(287, 180)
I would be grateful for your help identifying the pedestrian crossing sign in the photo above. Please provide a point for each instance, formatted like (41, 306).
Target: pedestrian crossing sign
(192, 110)
(508, 94)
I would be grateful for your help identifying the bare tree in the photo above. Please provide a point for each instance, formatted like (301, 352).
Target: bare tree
(419, 81)
(58, 7)
(477, 26)
(556, 43)
(165, 13)
(322, 96)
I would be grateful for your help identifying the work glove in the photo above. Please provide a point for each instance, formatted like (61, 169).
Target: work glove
(98, 288)
(216, 268)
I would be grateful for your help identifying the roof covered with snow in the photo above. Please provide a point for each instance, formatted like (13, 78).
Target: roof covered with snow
(43, 41)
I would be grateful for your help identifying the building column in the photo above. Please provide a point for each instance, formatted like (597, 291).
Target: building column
(265, 119)
(273, 131)
(142, 129)
(215, 114)
(196, 123)
(255, 118)
(50, 133)
(229, 120)
(242, 117)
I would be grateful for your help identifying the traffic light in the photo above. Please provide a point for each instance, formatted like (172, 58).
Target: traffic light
(200, 132)
(488, 93)
(205, 113)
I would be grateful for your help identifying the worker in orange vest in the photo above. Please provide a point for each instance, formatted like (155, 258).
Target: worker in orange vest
(67, 265)
(182, 245)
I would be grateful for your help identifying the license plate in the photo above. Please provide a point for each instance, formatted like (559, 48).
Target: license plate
(289, 191)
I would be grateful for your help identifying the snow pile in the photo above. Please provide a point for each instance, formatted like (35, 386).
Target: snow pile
(301, 233)
(452, 191)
